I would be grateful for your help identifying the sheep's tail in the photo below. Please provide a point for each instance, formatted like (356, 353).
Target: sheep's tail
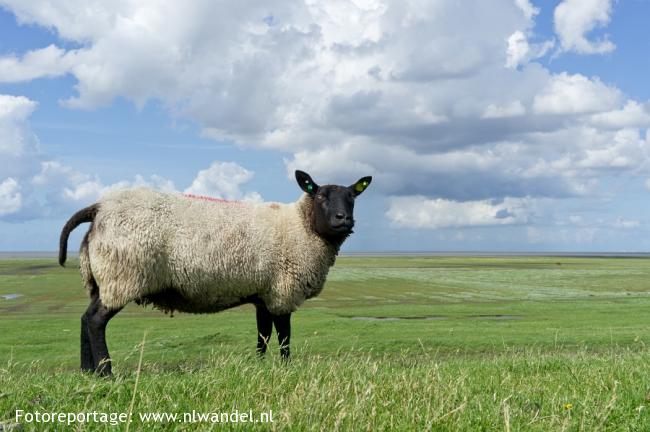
(84, 215)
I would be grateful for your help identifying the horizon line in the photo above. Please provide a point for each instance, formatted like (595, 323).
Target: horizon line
(467, 253)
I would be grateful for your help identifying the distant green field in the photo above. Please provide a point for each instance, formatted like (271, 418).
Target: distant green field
(393, 343)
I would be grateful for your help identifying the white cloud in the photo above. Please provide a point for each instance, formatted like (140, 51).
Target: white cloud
(68, 188)
(54, 173)
(421, 212)
(527, 7)
(633, 114)
(91, 189)
(84, 193)
(575, 94)
(19, 148)
(56, 189)
(574, 19)
(561, 164)
(625, 149)
(10, 197)
(71, 21)
(16, 138)
(46, 62)
(223, 180)
(520, 51)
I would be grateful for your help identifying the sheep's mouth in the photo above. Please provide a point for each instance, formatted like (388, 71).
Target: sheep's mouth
(342, 228)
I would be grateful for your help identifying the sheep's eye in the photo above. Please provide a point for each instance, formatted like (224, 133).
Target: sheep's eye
(320, 196)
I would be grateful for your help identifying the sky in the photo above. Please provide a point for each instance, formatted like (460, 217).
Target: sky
(509, 125)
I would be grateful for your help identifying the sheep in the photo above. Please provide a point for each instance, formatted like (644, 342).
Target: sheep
(200, 255)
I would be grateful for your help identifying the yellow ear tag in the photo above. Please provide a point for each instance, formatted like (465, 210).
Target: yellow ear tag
(360, 187)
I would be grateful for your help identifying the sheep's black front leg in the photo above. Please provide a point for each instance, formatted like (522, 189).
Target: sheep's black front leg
(98, 316)
(264, 328)
(283, 328)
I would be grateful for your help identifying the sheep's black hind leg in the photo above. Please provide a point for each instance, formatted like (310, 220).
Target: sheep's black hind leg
(98, 316)
(87, 362)
(87, 356)
(283, 328)
(264, 328)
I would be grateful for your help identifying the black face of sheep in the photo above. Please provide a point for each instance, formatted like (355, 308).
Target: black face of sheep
(332, 212)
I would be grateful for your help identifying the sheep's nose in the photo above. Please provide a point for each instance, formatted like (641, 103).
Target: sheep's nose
(344, 218)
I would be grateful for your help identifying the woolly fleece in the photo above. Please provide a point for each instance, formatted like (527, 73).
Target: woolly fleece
(194, 255)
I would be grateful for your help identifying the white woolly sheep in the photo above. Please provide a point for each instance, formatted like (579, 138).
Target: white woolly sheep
(201, 255)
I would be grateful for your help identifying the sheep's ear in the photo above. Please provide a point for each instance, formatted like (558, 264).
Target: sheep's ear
(306, 183)
(361, 185)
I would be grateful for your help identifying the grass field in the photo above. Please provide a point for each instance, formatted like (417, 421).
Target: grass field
(393, 343)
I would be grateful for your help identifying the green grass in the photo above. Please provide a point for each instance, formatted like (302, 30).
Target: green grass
(541, 343)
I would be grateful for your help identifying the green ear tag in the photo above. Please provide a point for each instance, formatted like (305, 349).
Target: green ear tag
(360, 187)
(310, 187)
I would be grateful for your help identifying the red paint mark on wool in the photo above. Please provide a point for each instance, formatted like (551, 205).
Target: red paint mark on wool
(212, 199)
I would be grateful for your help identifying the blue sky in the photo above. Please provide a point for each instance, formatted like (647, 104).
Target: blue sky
(511, 126)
